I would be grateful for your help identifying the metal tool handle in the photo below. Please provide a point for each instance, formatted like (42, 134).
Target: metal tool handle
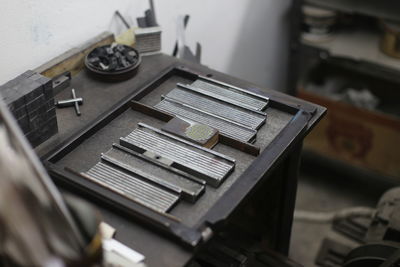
(69, 102)
(78, 112)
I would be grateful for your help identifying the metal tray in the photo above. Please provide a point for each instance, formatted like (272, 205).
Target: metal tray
(191, 224)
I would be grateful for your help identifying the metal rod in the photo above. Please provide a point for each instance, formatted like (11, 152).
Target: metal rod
(78, 112)
(69, 102)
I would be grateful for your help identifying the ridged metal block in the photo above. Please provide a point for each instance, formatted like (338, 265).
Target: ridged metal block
(231, 94)
(132, 187)
(148, 40)
(208, 164)
(137, 164)
(225, 127)
(247, 118)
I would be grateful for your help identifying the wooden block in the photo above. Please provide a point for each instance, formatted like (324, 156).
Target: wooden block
(73, 60)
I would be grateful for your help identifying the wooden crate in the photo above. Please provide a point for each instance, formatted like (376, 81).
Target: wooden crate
(362, 138)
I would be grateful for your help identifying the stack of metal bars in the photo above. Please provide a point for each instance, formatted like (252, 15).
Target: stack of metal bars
(30, 99)
(233, 94)
(154, 172)
(205, 163)
(148, 40)
(233, 111)
(156, 169)
(234, 130)
(132, 187)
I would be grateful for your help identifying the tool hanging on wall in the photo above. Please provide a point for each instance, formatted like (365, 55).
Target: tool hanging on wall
(149, 19)
(147, 37)
(181, 50)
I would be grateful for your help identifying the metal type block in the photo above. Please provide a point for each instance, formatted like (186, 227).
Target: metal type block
(230, 95)
(249, 119)
(225, 127)
(135, 163)
(132, 187)
(47, 85)
(20, 112)
(46, 107)
(38, 120)
(159, 163)
(52, 112)
(210, 165)
(148, 40)
(40, 111)
(222, 99)
(48, 128)
(28, 73)
(35, 77)
(30, 89)
(13, 98)
(24, 124)
(36, 103)
(11, 83)
(50, 104)
(236, 88)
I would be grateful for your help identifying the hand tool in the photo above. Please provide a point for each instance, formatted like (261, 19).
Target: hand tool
(78, 112)
(72, 102)
(69, 102)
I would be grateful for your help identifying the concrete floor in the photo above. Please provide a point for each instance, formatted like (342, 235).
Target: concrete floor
(324, 190)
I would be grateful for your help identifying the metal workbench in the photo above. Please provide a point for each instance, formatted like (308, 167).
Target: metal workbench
(262, 205)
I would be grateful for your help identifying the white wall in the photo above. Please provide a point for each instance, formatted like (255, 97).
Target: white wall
(245, 38)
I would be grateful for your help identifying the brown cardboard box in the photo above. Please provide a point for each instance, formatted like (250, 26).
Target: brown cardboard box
(363, 138)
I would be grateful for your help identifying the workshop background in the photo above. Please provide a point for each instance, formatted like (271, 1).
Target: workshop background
(339, 54)
(254, 48)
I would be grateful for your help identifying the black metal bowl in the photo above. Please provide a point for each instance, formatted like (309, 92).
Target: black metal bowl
(119, 72)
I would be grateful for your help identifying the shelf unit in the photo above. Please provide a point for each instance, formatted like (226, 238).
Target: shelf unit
(356, 51)
(384, 9)
(353, 49)
(358, 45)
